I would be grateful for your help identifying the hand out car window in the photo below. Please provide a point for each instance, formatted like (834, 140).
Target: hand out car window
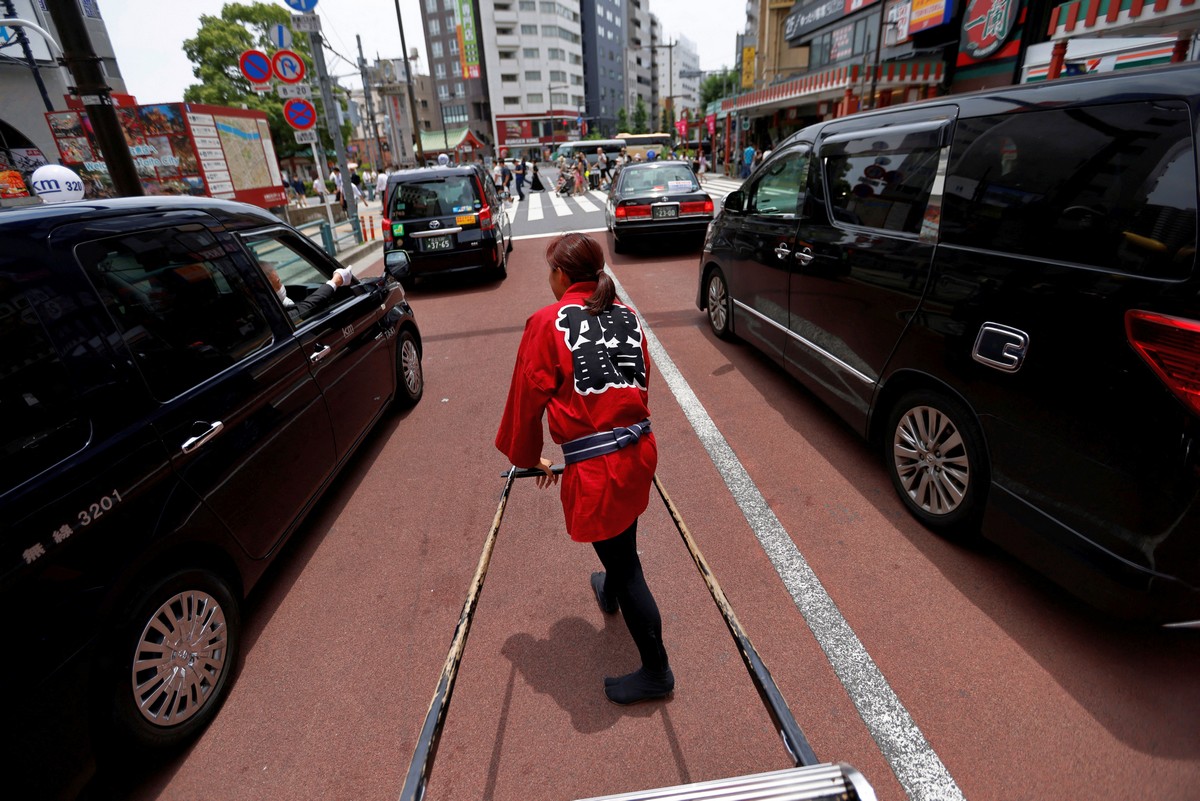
(297, 280)
(44, 422)
(181, 304)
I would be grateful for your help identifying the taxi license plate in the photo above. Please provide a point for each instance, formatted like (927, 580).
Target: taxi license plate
(660, 212)
(436, 243)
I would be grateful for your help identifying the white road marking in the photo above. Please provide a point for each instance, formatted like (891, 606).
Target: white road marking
(559, 233)
(535, 206)
(585, 204)
(560, 205)
(916, 765)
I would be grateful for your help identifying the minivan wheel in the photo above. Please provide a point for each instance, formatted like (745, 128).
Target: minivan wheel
(177, 655)
(935, 457)
(410, 379)
(719, 306)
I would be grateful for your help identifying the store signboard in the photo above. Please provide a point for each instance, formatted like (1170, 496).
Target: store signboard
(468, 43)
(926, 14)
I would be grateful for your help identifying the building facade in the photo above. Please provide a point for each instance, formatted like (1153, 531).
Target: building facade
(604, 42)
(458, 40)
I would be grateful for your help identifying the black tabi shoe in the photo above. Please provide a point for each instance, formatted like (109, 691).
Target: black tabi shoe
(638, 686)
(607, 605)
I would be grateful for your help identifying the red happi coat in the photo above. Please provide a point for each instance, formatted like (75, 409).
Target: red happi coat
(588, 375)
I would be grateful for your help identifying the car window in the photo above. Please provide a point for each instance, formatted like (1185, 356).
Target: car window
(669, 179)
(883, 179)
(434, 197)
(44, 422)
(180, 302)
(287, 266)
(779, 190)
(1112, 186)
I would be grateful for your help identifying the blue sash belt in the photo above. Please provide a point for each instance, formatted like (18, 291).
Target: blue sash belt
(605, 442)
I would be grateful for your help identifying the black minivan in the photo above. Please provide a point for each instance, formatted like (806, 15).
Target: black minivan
(447, 220)
(1001, 291)
(180, 380)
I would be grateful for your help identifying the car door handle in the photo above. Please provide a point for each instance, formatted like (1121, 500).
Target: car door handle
(804, 255)
(193, 443)
(782, 251)
(319, 352)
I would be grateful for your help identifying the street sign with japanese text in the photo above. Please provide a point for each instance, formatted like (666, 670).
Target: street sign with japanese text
(309, 137)
(306, 23)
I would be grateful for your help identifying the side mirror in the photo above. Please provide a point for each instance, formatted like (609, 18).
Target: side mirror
(735, 201)
(395, 263)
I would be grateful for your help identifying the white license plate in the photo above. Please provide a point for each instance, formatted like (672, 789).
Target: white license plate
(659, 212)
(436, 243)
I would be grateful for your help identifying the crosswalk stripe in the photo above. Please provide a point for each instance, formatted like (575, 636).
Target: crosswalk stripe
(535, 206)
(560, 205)
(584, 203)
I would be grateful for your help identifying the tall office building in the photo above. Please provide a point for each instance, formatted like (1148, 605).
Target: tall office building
(678, 68)
(456, 47)
(639, 57)
(604, 41)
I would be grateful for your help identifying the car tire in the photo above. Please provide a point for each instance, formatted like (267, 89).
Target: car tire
(176, 657)
(935, 455)
(410, 376)
(619, 245)
(720, 306)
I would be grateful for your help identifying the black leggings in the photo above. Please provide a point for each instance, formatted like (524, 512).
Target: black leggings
(624, 580)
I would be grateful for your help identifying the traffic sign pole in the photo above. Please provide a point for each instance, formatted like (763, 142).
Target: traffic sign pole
(335, 130)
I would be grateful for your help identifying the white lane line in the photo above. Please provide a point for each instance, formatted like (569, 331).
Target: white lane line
(585, 204)
(917, 767)
(560, 205)
(535, 206)
(559, 233)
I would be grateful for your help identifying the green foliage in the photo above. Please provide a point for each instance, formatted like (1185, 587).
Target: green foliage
(214, 53)
(668, 120)
(639, 117)
(622, 120)
(715, 87)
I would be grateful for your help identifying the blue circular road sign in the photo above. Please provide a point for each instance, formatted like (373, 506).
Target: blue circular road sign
(255, 66)
(302, 5)
(300, 114)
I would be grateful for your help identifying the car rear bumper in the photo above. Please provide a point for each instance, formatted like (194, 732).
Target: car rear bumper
(679, 225)
(482, 253)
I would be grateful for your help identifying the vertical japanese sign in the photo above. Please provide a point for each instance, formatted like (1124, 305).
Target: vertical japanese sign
(468, 44)
(748, 54)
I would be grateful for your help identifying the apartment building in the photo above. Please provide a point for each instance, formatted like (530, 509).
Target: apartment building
(457, 37)
(604, 42)
(679, 78)
(639, 56)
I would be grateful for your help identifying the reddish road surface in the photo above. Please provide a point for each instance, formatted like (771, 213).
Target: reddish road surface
(968, 677)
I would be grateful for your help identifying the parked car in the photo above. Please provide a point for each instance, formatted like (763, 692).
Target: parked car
(654, 199)
(1000, 290)
(448, 220)
(170, 420)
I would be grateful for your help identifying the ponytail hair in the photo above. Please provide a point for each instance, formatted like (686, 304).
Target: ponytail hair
(582, 259)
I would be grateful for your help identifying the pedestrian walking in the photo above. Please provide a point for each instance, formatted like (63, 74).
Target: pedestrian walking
(381, 185)
(536, 184)
(602, 163)
(584, 364)
(519, 178)
(505, 179)
(336, 174)
(747, 161)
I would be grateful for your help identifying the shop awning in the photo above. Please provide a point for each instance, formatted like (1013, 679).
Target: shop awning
(1123, 18)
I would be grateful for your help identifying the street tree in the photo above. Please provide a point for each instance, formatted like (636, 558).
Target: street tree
(717, 86)
(639, 117)
(214, 53)
(622, 120)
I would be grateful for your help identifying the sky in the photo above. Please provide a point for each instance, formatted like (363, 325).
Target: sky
(148, 35)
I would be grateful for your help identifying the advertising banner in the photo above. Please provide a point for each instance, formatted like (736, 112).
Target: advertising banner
(468, 44)
(748, 54)
(179, 149)
(926, 14)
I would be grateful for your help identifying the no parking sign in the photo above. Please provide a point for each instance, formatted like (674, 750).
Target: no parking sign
(300, 114)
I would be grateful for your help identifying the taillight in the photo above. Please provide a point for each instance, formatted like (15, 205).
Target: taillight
(1171, 346)
(486, 223)
(696, 207)
(387, 232)
(631, 211)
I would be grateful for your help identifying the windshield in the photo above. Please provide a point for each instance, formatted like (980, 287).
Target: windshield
(671, 179)
(436, 196)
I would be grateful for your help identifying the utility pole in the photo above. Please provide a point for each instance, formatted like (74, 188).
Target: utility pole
(96, 94)
(362, 65)
(335, 130)
(412, 102)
